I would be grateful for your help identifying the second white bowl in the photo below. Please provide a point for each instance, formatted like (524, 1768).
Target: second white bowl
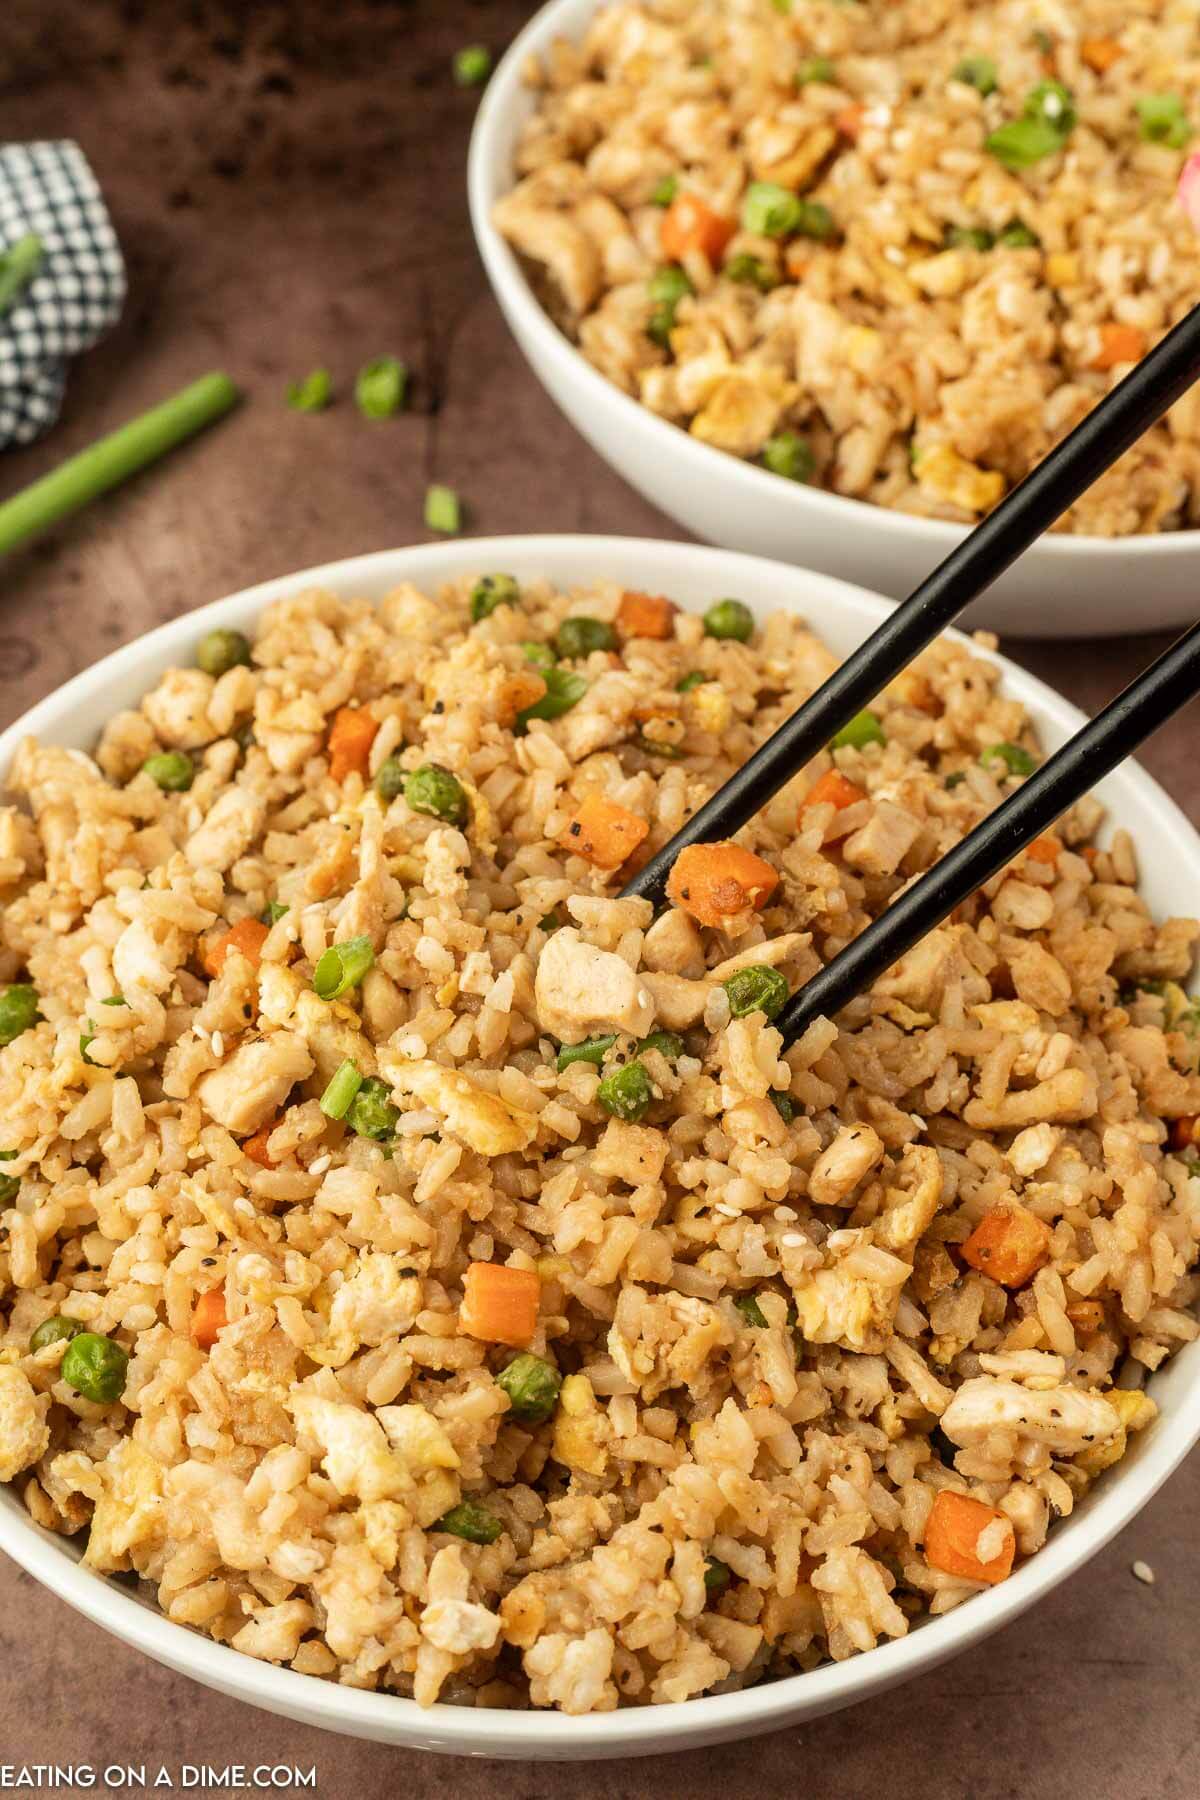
(1066, 586)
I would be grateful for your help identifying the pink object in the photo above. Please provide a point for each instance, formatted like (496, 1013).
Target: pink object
(1189, 188)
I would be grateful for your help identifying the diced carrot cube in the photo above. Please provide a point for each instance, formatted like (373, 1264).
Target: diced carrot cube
(850, 121)
(1010, 1244)
(1184, 1131)
(688, 224)
(1100, 53)
(517, 691)
(208, 1317)
(500, 1305)
(715, 882)
(350, 738)
(833, 789)
(256, 1147)
(1090, 855)
(1043, 850)
(1119, 344)
(1085, 1315)
(645, 615)
(603, 833)
(952, 1533)
(248, 936)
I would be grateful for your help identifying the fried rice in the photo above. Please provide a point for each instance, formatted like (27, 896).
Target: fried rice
(929, 303)
(797, 1345)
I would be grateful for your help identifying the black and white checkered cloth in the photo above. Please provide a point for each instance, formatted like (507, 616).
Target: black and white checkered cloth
(76, 294)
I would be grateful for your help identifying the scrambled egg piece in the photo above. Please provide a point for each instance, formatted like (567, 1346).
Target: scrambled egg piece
(580, 1428)
(24, 1435)
(130, 1507)
(741, 413)
(482, 1120)
(377, 1303)
(1136, 1411)
(945, 475)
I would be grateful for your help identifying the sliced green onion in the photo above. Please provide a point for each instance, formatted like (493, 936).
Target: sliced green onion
(1162, 119)
(564, 689)
(783, 1103)
(273, 911)
(751, 271)
(789, 455)
(667, 1043)
(380, 386)
(750, 1310)
(471, 1521)
(343, 1085)
(978, 72)
(1018, 236)
(693, 679)
(1015, 760)
(863, 729)
(814, 68)
(968, 237)
(1022, 142)
(472, 65)
(590, 1050)
(443, 509)
(665, 191)
(342, 967)
(313, 393)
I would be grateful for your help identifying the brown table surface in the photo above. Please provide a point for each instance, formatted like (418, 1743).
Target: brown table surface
(287, 182)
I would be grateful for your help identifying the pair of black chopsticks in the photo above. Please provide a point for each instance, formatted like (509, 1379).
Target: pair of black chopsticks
(1135, 404)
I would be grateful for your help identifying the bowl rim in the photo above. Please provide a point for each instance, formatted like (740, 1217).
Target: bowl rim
(464, 1730)
(488, 155)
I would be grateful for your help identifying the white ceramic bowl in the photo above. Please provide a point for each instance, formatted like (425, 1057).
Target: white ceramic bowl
(1170, 855)
(1063, 587)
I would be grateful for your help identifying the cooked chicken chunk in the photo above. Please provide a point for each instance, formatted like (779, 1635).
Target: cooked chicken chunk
(1066, 1419)
(244, 1092)
(580, 989)
(228, 831)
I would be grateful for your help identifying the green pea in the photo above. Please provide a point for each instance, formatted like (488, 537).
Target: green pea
(380, 386)
(532, 1386)
(540, 655)
(54, 1330)
(695, 679)
(590, 1050)
(815, 220)
(390, 777)
(443, 509)
(1162, 119)
(471, 1521)
(371, 1113)
(1052, 104)
(665, 191)
(978, 72)
(815, 68)
(863, 729)
(171, 770)
(18, 1010)
(1016, 761)
(667, 1043)
(491, 591)
(578, 637)
(756, 989)
(626, 1092)
(312, 394)
(95, 1367)
(10, 1187)
(968, 237)
(783, 1103)
(729, 619)
(665, 289)
(219, 651)
(564, 689)
(472, 65)
(434, 791)
(750, 1310)
(789, 455)
(751, 271)
(1017, 236)
(716, 1575)
(769, 210)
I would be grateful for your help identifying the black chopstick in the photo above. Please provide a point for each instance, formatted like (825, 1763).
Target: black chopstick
(971, 567)
(1103, 742)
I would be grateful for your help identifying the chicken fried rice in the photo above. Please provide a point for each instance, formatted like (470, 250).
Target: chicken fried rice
(896, 249)
(432, 1272)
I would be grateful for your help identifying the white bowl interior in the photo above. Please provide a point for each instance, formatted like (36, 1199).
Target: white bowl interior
(1064, 586)
(1170, 861)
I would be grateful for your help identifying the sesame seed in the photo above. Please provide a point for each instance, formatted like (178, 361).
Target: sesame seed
(1143, 1572)
(319, 1165)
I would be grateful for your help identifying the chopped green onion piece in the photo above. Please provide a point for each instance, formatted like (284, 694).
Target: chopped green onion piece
(9, 1155)
(750, 1310)
(751, 271)
(665, 289)
(540, 655)
(115, 1000)
(863, 729)
(551, 921)
(18, 267)
(1015, 760)
(756, 989)
(665, 191)
(342, 967)
(667, 1043)
(371, 1113)
(815, 68)
(978, 72)
(10, 1187)
(471, 1521)
(1018, 236)
(85, 1038)
(532, 1385)
(491, 591)
(472, 65)
(954, 779)
(729, 619)
(968, 237)
(380, 386)
(219, 651)
(579, 637)
(694, 679)
(18, 1010)
(443, 509)
(783, 1103)
(1022, 142)
(564, 689)
(313, 394)
(1162, 119)
(390, 777)
(716, 1575)
(589, 1050)
(437, 793)
(769, 210)
(273, 911)
(789, 455)
(171, 770)
(343, 1085)
(815, 220)
(626, 1092)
